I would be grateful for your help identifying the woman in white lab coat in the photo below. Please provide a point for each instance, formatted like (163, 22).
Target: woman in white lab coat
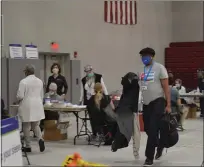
(30, 96)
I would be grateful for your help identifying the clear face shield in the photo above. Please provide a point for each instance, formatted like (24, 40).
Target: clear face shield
(200, 73)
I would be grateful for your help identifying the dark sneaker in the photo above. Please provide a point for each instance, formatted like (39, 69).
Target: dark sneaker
(41, 145)
(148, 162)
(159, 153)
(26, 149)
(113, 147)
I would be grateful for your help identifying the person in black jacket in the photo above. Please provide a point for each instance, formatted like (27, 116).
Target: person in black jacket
(3, 113)
(128, 105)
(201, 87)
(59, 79)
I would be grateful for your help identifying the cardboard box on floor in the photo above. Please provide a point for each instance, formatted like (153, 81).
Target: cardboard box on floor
(52, 133)
(192, 114)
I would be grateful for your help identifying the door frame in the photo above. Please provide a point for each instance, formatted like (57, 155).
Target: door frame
(43, 55)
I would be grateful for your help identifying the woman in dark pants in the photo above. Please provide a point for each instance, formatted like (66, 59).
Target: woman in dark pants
(101, 122)
(59, 79)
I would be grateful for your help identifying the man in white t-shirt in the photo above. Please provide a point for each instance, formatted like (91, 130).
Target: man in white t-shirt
(156, 100)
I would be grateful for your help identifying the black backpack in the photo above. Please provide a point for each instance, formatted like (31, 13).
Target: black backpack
(169, 126)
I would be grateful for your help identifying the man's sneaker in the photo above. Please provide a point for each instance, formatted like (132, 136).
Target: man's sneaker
(159, 153)
(41, 145)
(148, 162)
(26, 149)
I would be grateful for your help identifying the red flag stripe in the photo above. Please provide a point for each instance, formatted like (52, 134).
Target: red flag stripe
(121, 12)
(135, 8)
(116, 12)
(106, 11)
(131, 21)
(111, 11)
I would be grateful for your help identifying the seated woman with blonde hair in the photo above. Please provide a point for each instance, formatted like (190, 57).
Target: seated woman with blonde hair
(101, 113)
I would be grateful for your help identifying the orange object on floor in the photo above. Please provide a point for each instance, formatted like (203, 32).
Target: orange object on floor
(51, 132)
(141, 122)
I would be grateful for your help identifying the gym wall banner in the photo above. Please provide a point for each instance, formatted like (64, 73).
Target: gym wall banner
(11, 154)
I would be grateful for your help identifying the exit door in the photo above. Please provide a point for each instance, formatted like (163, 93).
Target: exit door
(63, 59)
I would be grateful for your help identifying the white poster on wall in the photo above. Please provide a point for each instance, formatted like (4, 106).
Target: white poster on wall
(16, 51)
(31, 52)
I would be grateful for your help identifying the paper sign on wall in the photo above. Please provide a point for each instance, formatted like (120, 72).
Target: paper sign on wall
(31, 52)
(16, 51)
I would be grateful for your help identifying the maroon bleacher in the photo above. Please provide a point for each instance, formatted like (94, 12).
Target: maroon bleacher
(183, 59)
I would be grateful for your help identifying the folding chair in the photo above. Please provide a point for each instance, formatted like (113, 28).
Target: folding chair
(84, 125)
(84, 130)
(104, 136)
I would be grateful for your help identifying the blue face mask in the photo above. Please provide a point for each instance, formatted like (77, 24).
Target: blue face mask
(146, 60)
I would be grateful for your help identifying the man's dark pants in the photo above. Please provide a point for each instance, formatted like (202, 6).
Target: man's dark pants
(152, 115)
(202, 105)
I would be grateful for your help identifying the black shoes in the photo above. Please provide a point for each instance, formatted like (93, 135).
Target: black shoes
(114, 147)
(148, 162)
(26, 149)
(159, 153)
(41, 145)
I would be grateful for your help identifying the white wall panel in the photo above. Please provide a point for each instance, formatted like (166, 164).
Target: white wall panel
(187, 21)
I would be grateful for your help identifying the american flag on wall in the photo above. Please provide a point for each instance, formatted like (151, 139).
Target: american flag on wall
(120, 12)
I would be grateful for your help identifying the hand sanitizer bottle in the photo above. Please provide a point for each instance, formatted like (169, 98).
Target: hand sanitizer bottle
(198, 90)
(47, 99)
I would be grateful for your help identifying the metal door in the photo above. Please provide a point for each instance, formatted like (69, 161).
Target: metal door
(16, 74)
(75, 81)
(63, 59)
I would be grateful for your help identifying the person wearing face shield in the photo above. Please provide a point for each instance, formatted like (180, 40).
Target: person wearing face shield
(53, 92)
(53, 96)
(156, 99)
(59, 79)
(184, 101)
(179, 86)
(87, 89)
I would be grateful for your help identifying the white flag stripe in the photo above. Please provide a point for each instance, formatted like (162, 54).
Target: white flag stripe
(133, 12)
(119, 12)
(113, 11)
(108, 12)
(123, 19)
(128, 12)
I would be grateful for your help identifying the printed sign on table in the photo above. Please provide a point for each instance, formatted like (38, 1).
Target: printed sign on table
(31, 52)
(11, 154)
(16, 51)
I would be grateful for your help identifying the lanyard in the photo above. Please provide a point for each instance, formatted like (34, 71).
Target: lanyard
(145, 78)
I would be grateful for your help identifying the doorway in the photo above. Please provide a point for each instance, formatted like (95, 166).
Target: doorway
(61, 58)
